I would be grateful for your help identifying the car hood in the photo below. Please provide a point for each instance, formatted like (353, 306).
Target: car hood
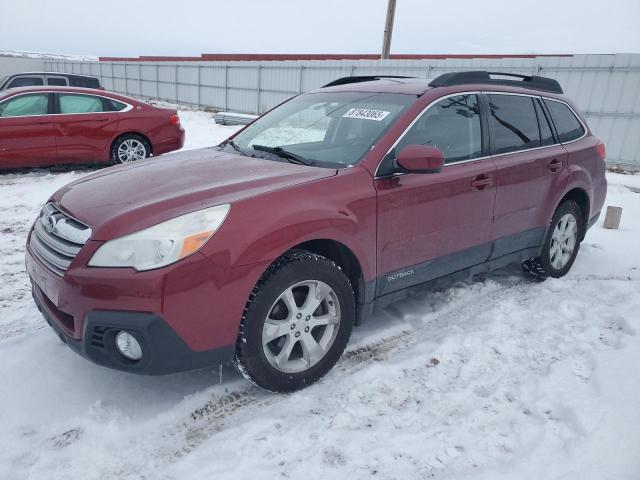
(121, 200)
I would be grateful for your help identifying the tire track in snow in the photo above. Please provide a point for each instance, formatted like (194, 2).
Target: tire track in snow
(212, 417)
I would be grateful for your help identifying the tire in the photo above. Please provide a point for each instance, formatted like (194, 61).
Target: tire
(129, 148)
(277, 347)
(561, 245)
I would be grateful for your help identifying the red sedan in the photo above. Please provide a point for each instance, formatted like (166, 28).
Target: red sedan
(57, 125)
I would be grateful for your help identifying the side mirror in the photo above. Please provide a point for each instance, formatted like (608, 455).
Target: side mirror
(421, 159)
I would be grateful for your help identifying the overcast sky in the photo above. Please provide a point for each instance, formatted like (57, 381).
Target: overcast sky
(191, 27)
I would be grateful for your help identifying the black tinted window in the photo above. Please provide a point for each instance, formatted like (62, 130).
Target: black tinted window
(514, 122)
(84, 82)
(567, 125)
(60, 82)
(25, 82)
(111, 105)
(452, 125)
(546, 136)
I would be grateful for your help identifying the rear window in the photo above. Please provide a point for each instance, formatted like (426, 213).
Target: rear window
(84, 82)
(567, 125)
(25, 82)
(514, 122)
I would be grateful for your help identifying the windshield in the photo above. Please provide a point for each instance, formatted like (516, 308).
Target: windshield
(324, 129)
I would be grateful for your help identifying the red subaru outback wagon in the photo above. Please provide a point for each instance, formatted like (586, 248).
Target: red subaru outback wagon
(267, 249)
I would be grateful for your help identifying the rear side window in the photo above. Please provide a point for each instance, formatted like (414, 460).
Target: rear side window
(452, 125)
(514, 123)
(84, 82)
(546, 136)
(25, 105)
(80, 104)
(58, 82)
(567, 125)
(25, 82)
(111, 105)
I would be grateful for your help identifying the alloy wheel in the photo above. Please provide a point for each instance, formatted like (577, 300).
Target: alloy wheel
(301, 326)
(563, 241)
(131, 150)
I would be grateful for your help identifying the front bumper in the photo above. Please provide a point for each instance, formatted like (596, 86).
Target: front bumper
(163, 351)
(185, 315)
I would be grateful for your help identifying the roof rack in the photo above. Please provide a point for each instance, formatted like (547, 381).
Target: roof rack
(480, 76)
(361, 78)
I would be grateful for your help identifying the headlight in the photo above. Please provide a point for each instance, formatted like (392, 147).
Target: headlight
(162, 244)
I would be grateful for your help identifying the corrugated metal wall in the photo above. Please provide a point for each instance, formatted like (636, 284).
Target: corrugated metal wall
(11, 65)
(605, 87)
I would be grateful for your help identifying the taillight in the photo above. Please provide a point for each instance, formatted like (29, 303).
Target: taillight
(600, 150)
(174, 119)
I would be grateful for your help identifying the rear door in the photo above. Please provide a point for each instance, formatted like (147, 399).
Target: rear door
(26, 131)
(529, 164)
(84, 126)
(430, 225)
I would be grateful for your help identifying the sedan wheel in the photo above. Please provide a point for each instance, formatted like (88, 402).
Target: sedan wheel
(131, 150)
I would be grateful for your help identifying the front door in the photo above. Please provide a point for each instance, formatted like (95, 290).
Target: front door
(26, 131)
(430, 225)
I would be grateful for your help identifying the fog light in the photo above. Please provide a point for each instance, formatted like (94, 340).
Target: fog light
(128, 346)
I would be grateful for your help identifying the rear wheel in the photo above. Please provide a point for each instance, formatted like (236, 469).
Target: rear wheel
(296, 324)
(130, 148)
(561, 245)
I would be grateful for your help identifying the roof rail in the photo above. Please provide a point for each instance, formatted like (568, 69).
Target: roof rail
(361, 78)
(481, 76)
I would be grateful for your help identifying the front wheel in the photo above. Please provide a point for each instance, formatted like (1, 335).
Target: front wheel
(296, 324)
(561, 245)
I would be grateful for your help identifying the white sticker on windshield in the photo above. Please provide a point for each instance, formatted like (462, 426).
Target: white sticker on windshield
(366, 114)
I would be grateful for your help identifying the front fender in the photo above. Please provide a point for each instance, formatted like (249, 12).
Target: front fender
(340, 208)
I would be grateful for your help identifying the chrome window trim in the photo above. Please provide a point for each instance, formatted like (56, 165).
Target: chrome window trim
(478, 92)
(128, 107)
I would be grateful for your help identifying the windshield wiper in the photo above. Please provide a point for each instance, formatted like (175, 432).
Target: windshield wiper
(281, 152)
(235, 146)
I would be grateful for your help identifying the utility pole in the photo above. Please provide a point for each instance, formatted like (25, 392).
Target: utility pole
(388, 29)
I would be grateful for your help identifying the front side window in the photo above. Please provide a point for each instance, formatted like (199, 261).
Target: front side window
(25, 82)
(514, 123)
(80, 104)
(567, 125)
(452, 125)
(328, 129)
(25, 105)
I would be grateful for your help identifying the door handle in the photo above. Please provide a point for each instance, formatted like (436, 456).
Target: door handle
(42, 122)
(101, 120)
(481, 182)
(554, 165)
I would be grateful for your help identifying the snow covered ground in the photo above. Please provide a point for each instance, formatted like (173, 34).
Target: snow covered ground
(504, 378)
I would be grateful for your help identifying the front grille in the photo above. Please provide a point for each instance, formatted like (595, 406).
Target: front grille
(57, 238)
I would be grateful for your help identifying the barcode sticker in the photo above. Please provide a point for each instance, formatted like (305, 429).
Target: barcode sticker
(366, 114)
